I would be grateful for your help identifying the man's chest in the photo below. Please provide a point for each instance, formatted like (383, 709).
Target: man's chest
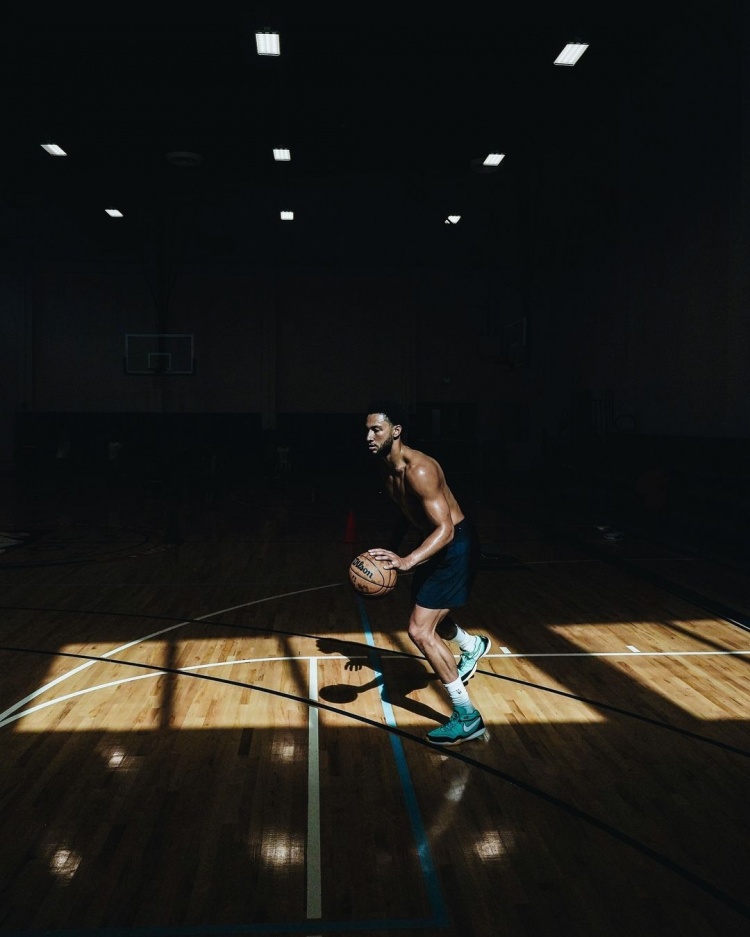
(399, 490)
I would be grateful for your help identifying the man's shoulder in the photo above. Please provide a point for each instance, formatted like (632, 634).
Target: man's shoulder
(421, 467)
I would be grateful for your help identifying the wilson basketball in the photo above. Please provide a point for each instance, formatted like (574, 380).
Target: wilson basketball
(370, 577)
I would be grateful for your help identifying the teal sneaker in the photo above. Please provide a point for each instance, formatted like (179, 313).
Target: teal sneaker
(467, 665)
(459, 728)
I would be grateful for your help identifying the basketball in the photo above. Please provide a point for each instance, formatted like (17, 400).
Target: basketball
(370, 577)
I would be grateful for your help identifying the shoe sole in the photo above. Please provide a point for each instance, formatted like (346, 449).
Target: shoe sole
(471, 673)
(460, 740)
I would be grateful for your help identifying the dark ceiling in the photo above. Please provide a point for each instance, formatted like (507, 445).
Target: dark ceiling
(384, 107)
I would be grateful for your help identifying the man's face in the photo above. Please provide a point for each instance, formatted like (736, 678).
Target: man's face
(380, 434)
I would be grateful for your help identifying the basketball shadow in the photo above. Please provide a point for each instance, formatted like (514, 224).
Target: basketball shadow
(399, 676)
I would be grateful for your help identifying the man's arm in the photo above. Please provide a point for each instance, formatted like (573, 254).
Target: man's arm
(424, 481)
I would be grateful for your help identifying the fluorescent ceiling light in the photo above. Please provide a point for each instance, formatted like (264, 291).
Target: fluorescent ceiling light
(268, 43)
(113, 213)
(282, 155)
(287, 216)
(494, 159)
(53, 149)
(571, 53)
(452, 219)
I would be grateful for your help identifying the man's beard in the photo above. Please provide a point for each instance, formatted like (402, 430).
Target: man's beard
(385, 449)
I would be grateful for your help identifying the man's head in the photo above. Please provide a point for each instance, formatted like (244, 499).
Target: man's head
(385, 425)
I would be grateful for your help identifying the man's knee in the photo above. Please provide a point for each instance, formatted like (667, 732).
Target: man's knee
(424, 623)
(418, 632)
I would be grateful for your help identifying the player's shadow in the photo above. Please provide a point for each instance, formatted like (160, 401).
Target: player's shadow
(396, 677)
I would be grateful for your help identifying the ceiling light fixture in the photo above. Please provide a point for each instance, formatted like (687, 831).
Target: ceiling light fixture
(452, 219)
(282, 156)
(571, 53)
(53, 149)
(113, 213)
(494, 159)
(287, 216)
(268, 42)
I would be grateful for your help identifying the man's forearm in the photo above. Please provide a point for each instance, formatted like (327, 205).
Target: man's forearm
(440, 537)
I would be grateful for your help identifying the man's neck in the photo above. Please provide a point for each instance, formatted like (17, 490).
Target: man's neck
(397, 458)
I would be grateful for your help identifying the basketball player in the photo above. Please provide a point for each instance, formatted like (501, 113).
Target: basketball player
(444, 565)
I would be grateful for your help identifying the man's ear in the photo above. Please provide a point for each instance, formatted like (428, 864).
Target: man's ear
(396, 431)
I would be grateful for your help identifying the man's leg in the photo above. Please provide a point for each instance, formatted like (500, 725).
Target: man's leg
(465, 722)
(447, 628)
(472, 646)
(423, 631)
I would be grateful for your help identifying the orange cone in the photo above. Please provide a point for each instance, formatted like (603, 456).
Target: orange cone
(349, 533)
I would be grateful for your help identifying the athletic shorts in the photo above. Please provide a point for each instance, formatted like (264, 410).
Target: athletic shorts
(444, 581)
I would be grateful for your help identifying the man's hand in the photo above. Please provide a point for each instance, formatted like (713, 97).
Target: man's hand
(390, 559)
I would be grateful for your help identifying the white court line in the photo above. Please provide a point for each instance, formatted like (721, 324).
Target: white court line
(625, 654)
(385, 654)
(155, 634)
(62, 699)
(186, 670)
(313, 860)
(144, 676)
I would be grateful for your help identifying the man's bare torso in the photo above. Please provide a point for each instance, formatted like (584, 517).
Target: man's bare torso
(398, 485)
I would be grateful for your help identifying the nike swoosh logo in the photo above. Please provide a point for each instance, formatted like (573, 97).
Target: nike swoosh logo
(473, 726)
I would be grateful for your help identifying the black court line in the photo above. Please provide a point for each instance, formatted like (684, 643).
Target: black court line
(715, 608)
(620, 712)
(573, 811)
(144, 543)
(367, 650)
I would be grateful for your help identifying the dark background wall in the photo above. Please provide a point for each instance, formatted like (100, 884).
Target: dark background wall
(623, 243)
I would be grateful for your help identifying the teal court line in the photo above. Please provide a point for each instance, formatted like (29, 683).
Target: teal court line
(439, 919)
(432, 882)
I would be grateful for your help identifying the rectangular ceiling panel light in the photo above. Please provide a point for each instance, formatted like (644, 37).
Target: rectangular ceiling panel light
(268, 43)
(571, 53)
(282, 155)
(453, 219)
(113, 213)
(53, 149)
(494, 159)
(287, 216)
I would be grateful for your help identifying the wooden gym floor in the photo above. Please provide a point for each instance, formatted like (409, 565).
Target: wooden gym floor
(204, 730)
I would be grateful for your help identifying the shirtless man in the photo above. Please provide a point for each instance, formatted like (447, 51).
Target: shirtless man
(444, 563)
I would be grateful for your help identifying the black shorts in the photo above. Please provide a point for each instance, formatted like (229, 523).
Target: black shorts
(444, 581)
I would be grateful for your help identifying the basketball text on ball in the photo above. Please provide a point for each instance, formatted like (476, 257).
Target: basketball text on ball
(361, 567)
(371, 577)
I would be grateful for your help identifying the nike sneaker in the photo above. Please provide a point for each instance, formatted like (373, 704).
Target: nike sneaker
(467, 664)
(461, 727)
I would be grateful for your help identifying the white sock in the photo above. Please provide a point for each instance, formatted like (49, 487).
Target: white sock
(465, 640)
(458, 694)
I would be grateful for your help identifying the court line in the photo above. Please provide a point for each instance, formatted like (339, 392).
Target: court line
(313, 859)
(382, 654)
(155, 634)
(146, 676)
(623, 654)
(629, 565)
(434, 892)
(693, 878)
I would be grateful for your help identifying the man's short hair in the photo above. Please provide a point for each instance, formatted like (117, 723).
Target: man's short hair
(394, 412)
